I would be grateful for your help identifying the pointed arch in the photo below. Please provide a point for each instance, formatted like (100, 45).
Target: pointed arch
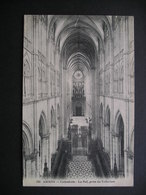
(119, 153)
(42, 125)
(27, 147)
(27, 139)
(53, 117)
(107, 116)
(119, 123)
(43, 142)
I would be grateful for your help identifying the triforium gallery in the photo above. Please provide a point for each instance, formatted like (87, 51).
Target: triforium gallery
(78, 99)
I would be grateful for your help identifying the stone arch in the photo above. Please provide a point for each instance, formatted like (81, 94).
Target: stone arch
(43, 142)
(27, 142)
(119, 153)
(107, 116)
(42, 125)
(52, 24)
(107, 22)
(96, 30)
(87, 47)
(27, 138)
(53, 119)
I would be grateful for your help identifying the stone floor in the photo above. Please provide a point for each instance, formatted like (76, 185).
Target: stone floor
(80, 167)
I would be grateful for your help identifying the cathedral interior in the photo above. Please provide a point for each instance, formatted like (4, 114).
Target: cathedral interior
(78, 96)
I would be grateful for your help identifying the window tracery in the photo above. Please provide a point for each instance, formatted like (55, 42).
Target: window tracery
(42, 80)
(78, 84)
(27, 80)
(107, 83)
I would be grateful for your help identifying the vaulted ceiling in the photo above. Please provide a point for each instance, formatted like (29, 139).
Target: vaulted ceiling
(79, 38)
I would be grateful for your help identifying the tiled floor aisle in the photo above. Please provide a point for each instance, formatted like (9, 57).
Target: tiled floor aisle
(80, 167)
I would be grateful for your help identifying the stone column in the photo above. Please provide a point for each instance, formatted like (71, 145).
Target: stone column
(93, 100)
(112, 157)
(64, 95)
(35, 88)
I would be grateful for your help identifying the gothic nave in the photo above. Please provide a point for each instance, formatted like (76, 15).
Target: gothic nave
(78, 96)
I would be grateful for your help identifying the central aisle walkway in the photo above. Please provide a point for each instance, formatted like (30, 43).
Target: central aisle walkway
(80, 167)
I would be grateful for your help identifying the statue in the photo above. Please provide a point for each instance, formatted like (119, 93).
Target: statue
(46, 172)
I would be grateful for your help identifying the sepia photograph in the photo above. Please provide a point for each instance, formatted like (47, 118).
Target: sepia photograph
(78, 100)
